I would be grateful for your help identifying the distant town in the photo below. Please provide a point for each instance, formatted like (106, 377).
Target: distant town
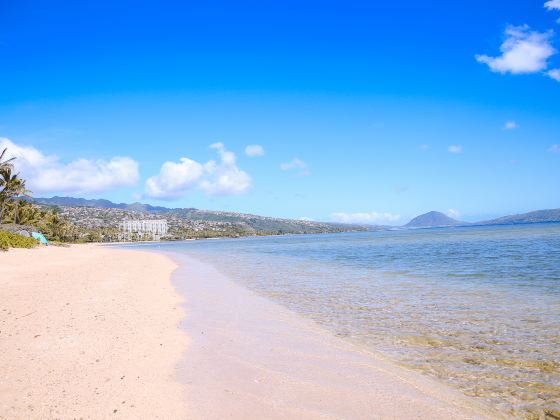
(104, 220)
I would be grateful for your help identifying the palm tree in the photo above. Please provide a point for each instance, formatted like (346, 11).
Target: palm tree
(7, 182)
(5, 163)
(29, 214)
(54, 227)
(6, 179)
(20, 190)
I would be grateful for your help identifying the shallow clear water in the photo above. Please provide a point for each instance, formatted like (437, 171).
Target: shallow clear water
(477, 307)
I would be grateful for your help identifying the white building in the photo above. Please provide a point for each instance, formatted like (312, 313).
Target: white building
(140, 228)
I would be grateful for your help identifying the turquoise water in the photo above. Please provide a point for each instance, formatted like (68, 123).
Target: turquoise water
(476, 307)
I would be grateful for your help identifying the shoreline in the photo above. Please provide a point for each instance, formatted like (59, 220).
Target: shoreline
(89, 332)
(250, 357)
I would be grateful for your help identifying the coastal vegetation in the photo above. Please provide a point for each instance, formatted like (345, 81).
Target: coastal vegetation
(77, 220)
(13, 240)
(18, 213)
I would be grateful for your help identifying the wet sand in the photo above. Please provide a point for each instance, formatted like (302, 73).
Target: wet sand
(251, 358)
(89, 332)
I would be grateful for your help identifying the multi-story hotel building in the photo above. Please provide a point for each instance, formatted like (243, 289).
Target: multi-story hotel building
(154, 228)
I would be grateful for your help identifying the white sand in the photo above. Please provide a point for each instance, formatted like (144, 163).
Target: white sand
(89, 332)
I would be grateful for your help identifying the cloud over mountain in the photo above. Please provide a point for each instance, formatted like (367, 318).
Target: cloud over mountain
(175, 179)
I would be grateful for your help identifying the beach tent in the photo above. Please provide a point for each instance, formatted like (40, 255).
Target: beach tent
(40, 237)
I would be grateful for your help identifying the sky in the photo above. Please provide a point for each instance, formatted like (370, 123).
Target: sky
(366, 112)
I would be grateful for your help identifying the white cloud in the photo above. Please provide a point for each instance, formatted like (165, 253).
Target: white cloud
(46, 174)
(453, 213)
(523, 51)
(511, 125)
(175, 179)
(368, 218)
(554, 148)
(254, 150)
(225, 178)
(297, 164)
(424, 147)
(554, 74)
(455, 148)
(552, 5)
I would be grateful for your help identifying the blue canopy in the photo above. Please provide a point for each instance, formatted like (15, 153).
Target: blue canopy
(40, 237)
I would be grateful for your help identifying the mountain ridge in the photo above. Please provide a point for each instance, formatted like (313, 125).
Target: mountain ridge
(536, 216)
(426, 220)
(187, 222)
(99, 203)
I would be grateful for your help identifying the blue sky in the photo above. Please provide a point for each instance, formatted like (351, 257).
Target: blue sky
(363, 112)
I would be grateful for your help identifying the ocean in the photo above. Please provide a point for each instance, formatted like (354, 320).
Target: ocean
(475, 307)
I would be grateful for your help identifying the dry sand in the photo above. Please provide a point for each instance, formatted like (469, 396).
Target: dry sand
(89, 332)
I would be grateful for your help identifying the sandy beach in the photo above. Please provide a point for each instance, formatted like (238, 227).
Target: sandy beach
(98, 332)
(89, 332)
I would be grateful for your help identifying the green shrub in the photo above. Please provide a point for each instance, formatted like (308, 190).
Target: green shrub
(13, 240)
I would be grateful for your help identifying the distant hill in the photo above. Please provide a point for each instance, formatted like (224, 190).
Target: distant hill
(186, 222)
(538, 216)
(98, 203)
(433, 219)
(438, 219)
(249, 224)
